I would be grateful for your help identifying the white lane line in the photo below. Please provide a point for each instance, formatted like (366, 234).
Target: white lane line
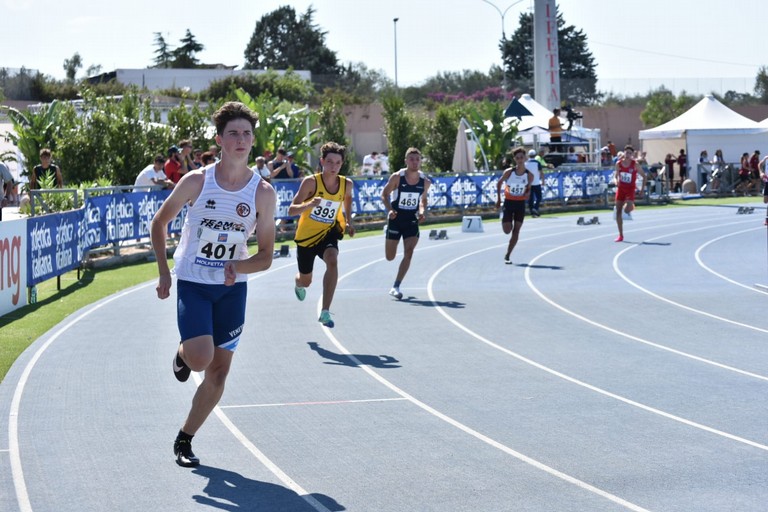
(577, 381)
(261, 457)
(466, 429)
(325, 402)
(17, 472)
(656, 296)
(713, 272)
(622, 333)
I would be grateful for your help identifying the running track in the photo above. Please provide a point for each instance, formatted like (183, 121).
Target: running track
(589, 376)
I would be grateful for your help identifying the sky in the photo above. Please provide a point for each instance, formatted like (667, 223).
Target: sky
(699, 46)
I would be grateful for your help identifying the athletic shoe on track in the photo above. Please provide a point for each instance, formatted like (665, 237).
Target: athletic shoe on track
(325, 319)
(182, 449)
(619, 239)
(180, 369)
(396, 293)
(300, 292)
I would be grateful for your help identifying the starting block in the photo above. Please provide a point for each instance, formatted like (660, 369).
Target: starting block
(586, 222)
(438, 235)
(471, 224)
(745, 209)
(284, 252)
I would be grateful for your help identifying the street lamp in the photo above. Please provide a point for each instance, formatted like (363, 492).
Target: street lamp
(394, 22)
(502, 14)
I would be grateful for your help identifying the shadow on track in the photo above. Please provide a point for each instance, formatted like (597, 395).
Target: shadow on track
(354, 360)
(227, 490)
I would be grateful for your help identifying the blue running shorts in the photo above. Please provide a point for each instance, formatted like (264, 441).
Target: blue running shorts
(211, 309)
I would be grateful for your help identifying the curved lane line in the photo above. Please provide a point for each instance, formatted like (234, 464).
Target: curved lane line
(712, 271)
(464, 428)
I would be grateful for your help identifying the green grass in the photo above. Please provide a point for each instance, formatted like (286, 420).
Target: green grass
(21, 327)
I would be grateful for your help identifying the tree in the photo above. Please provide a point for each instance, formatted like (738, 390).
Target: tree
(333, 127)
(72, 65)
(184, 55)
(289, 86)
(441, 139)
(761, 84)
(663, 106)
(163, 53)
(281, 41)
(578, 76)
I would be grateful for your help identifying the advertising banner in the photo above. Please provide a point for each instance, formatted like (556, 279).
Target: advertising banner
(13, 265)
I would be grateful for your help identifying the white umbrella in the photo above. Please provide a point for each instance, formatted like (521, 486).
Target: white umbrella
(464, 152)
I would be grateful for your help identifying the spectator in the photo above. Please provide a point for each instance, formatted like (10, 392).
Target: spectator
(761, 167)
(572, 157)
(197, 159)
(261, 168)
(173, 165)
(369, 163)
(45, 168)
(280, 168)
(207, 158)
(153, 175)
(536, 171)
(754, 168)
(682, 164)
(669, 169)
(745, 175)
(294, 167)
(214, 150)
(555, 131)
(606, 159)
(10, 194)
(612, 149)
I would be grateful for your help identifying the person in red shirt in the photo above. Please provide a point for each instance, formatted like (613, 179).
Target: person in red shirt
(625, 177)
(173, 165)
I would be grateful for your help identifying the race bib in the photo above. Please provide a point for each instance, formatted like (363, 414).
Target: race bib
(217, 247)
(516, 189)
(625, 177)
(326, 211)
(408, 200)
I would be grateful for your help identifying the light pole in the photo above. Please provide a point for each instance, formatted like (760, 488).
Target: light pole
(394, 22)
(502, 14)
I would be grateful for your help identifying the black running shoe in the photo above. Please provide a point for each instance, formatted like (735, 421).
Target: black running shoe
(180, 369)
(182, 448)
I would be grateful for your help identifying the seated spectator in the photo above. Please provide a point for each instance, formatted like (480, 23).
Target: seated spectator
(10, 194)
(153, 175)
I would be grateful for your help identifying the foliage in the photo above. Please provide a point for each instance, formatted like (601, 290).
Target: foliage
(399, 129)
(496, 134)
(761, 84)
(441, 139)
(578, 76)
(281, 124)
(33, 131)
(333, 127)
(663, 106)
(72, 65)
(289, 86)
(281, 41)
(356, 83)
(192, 123)
(184, 55)
(163, 52)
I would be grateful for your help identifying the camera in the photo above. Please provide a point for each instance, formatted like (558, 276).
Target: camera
(572, 115)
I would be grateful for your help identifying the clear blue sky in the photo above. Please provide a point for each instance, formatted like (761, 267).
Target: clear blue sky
(685, 42)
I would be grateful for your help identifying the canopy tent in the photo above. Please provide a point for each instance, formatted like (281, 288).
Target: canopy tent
(709, 125)
(534, 129)
(467, 144)
(764, 122)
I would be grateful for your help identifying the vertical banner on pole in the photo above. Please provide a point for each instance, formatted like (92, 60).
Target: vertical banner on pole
(546, 59)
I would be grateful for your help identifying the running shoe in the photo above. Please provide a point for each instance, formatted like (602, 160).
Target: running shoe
(182, 449)
(627, 216)
(619, 239)
(396, 293)
(325, 319)
(507, 260)
(300, 292)
(180, 369)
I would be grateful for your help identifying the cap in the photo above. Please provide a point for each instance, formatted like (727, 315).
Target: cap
(531, 152)
(173, 149)
(290, 153)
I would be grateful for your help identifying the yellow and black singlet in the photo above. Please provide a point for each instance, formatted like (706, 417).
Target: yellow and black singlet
(317, 222)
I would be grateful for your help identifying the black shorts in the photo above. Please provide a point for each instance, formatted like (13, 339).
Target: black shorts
(305, 256)
(513, 210)
(405, 228)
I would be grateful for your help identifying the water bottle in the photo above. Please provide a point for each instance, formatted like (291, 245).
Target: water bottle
(33, 295)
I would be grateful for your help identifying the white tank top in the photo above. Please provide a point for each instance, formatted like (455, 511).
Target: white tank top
(215, 230)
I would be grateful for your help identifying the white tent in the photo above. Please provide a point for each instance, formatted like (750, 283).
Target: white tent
(764, 122)
(535, 128)
(709, 125)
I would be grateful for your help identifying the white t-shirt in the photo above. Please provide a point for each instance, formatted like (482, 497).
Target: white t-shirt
(263, 172)
(369, 161)
(147, 175)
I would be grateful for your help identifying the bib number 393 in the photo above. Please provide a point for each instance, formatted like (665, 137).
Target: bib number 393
(217, 247)
(325, 212)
